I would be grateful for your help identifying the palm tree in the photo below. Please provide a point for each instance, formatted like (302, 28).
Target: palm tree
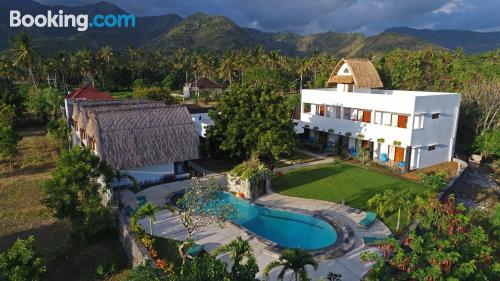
(295, 260)
(149, 209)
(24, 55)
(105, 56)
(390, 201)
(183, 61)
(228, 66)
(241, 254)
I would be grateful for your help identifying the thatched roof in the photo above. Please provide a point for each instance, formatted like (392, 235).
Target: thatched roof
(81, 108)
(363, 74)
(139, 137)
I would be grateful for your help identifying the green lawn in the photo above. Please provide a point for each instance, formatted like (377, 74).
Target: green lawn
(122, 95)
(341, 181)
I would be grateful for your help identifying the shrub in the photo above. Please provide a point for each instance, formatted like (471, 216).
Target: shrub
(249, 169)
(20, 263)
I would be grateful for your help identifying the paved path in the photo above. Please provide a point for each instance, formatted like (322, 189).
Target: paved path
(307, 164)
(168, 225)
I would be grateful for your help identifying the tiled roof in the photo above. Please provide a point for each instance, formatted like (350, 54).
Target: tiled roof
(88, 92)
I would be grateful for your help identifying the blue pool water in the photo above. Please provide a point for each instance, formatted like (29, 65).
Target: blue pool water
(287, 229)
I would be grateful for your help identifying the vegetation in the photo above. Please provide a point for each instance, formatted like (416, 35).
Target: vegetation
(202, 207)
(149, 210)
(488, 143)
(341, 182)
(249, 169)
(20, 263)
(444, 246)
(72, 193)
(390, 201)
(252, 121)
(244, 264)
(295, 260)
(434, 181)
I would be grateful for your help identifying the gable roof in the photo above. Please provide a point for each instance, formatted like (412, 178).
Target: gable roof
(88, 92)
(81, 108)
(141, 137)
(207, 83)
(363, 74)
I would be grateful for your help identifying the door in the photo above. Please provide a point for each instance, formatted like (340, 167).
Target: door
(402, 121)
(367, 116)
(399, 154)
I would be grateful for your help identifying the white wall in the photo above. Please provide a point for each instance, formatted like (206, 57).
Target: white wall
(152, 173)
(440, 132)
(201, 123)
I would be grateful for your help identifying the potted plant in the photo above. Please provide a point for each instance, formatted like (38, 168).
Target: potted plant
(360, 136)
(315, 128)
(306, 126)
(331, 130)
(381, 140)
(347, 134)
(396, 143)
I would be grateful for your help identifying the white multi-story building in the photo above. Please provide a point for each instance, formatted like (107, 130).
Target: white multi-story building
(410, 129)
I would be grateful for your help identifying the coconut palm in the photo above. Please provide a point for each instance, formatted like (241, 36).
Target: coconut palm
(228, 66)
(390, 201)
(149, 209)
(23, 54)
(242, 256)
(295, 260)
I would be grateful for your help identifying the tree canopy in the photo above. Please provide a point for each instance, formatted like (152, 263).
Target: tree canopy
(252, 121)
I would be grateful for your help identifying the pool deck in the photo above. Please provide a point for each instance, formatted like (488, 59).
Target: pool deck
(349, 265)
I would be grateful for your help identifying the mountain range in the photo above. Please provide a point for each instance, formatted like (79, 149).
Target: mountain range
(204, 32)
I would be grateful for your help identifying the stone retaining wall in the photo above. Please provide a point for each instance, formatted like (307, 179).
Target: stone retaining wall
(136, 252)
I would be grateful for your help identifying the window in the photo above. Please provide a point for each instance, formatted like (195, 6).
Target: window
(432, 147)
(435, 115)
(347, 113)
(337, 112)
(307, 107)
(320, 109)
(330, 111)
(346, 70)
(378, 117)
(418, 122)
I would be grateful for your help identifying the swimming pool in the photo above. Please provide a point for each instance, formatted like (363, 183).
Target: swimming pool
(287, 229)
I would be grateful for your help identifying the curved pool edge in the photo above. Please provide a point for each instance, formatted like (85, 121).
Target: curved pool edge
(343, 244)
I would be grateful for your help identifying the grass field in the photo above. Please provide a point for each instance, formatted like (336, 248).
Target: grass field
(22, 215)
(341, 181)
(122, 95)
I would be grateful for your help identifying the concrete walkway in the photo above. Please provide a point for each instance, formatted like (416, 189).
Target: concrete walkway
(307, 164)
(168, 225)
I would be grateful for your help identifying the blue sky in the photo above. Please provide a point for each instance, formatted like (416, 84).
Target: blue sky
(308, 16)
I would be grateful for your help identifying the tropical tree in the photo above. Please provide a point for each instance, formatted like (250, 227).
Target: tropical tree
(244, 265)
(146, 272)
(203, 268)
(149, 210)
(7, 115)
(19, 263)
(295, 260)
(183, 61)
(252, 121)
(8, 142)
(24, 55)
(390, 201)
(228, 66)
(202, 207)
(445, 246)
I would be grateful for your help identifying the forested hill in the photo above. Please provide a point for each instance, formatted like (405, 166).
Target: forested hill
(202, 32)
(470, 41)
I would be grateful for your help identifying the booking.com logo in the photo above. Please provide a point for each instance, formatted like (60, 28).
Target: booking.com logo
(80, 22)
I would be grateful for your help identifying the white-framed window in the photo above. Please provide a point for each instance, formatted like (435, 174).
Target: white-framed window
(418, 121)
(378, 117)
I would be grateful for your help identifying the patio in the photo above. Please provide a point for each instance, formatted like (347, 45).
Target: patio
(168, 225)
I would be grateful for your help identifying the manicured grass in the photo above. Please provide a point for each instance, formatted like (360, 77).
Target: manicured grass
(341, 181)
(122, 95)
(22, 214)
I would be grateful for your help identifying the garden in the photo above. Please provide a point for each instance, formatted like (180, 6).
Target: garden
(342, 182)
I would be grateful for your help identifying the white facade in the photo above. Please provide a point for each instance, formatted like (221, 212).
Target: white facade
(201, 123)
(422, 123)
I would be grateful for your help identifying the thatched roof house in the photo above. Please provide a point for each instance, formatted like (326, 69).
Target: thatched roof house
(142, 136)
(82, 109)
(360, 72)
